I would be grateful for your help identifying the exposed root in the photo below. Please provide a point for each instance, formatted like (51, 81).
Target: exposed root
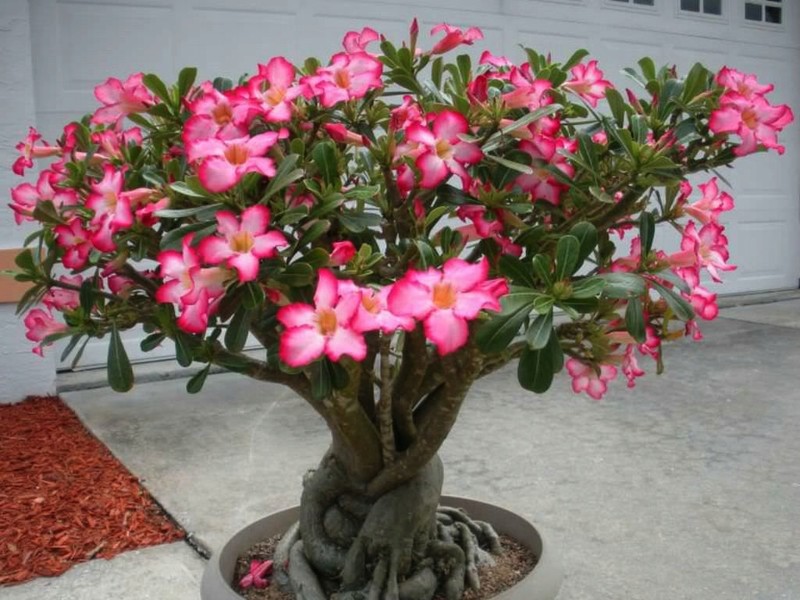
(281, 557)
(304, 580)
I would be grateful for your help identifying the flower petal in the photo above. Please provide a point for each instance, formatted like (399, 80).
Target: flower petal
(246, 265)
(410, 299)
(297, 315)
(327, 290)
(447, 331)
(300, 346)
(346, 341)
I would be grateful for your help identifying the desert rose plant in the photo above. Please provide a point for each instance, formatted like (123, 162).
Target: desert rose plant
(389, 226)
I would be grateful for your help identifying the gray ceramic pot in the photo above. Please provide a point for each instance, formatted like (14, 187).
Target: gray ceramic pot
(542, 583)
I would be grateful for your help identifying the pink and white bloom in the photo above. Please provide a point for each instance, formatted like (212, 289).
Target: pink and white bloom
(323, 329)
(40, 324)
(712, 204)
(215, 114)
(454, 37)
(348, 77)
(28, 150)
(357, 41)
(710, 248)
(77, 242)
(742, 83)
(112, 141)
(273, 89)
(630, 366)
(63, 299)
(25, 196)
(225, 162)
(406, 114)
(121, 98)
(499, 62)
(373, 312)
(588, 83)
(544, 152)
(529, 92)
(754, 120)
(586, 379)
(445, 300)
(442, 151)
(342, 135)
(242, 243)
(342, 253)
(704, 303)
(194, 289)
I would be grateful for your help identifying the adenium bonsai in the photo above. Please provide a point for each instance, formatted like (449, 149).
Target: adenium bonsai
(390, 227)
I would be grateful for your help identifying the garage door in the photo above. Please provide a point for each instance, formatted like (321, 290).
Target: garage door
(78, 43)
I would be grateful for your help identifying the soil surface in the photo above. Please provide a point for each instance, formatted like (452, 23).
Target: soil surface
(511, 566)
(64, 498)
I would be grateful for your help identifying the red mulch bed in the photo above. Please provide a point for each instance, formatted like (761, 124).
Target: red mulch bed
(64, 498)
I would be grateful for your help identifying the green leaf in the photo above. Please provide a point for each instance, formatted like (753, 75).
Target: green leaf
(518, 271)
(152, 341)
(647, 231)
(120, 372)
(174, 237)
(238, 330)
(576, 57)
(195, 384)
(185, 80)
(284, 177)
(436, 72)
(155, 85)
(253, 296)
(510, 164)
(46, 212)
(540, 330)
(71, 346)
(535, 370)
(586, 234)
(543, 266)
(427, 255)
(588, 288)
(185, 190)
(578, 306)
(324, 157)
(358, 222)
(86, 295)
(299, 274)
(79, 354)
(622, 285)
(316, 230)
(680, 307)
(24, 260)
(556, 353)
(617, 106)
(568, 252)
(497, 333)
(648, 68)
(183, 348)
(634, 320)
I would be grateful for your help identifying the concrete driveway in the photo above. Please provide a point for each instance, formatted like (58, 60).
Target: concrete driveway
(686, 488)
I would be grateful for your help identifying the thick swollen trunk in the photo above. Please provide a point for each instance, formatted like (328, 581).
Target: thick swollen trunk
(398, 546)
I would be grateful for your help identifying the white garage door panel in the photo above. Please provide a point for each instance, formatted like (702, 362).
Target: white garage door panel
(79, 43)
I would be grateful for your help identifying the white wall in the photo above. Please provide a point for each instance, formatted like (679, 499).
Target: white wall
(21, 372)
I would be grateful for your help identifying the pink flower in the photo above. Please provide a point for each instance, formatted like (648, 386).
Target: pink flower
(600, 138)
(745, 85)
(63, 299)
(542, 184)
(754, 120)
(373, 311)
(454, 37)
(442, 151)
(120, 285)
(121, 98)
(348, 77)
(342, 135)
(342, 253)
(357, 41)
(112, 206)
(445, 300)
(146, 215)
(274, 90)
(215, 114)
(630, 366)
(40, 324)
(112, 141)
(529, 92)
(225, 162)
(242, 243)
(500, 62)
(256, 575)
(704, 303)
(25, 197)
(192, 288)
(77, 242)
(587, 81)
(491, 229)
(29, 150)
(586, 379)
(710, 248)
(406, 114)
(325, 328)
(710, 206)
